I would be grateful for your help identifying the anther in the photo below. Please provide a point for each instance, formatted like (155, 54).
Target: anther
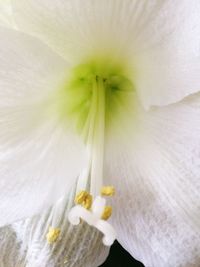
(108, 191)
(52, 235)
(84, 199)
(107, 213)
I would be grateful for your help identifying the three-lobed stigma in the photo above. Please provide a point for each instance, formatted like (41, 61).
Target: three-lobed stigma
(96, 216)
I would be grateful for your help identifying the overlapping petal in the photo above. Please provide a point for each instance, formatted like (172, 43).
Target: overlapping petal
(6, 18)
(160, 38)
(156, 162)
(25, 241)
(39, 159)
(156, 170)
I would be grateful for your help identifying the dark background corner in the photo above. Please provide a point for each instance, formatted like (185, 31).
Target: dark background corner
(118, 257)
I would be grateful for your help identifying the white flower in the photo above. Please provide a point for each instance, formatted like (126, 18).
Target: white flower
(106, 91)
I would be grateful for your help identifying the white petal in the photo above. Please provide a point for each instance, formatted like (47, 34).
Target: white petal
(6, 17)
(39, 159)
(156, 172)
(160, 38)
(169, 54)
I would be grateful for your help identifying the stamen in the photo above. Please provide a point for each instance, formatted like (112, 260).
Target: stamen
(52, 235)
(108, 191)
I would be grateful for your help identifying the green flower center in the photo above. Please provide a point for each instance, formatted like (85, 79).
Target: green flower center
(97, 88)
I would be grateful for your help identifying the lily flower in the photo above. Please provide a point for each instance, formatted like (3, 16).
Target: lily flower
(99, 101)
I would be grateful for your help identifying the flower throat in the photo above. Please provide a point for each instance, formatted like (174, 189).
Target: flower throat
(98, 86)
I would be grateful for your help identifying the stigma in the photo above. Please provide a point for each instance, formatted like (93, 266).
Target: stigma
(96, 216)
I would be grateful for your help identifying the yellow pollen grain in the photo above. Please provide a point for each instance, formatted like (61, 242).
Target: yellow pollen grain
(84, 199)
(108, 191)
(52, 235)
(66, 261)
(107, 213)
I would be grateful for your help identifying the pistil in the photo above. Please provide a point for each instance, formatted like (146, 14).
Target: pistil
(91, 99)
(96, 212)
